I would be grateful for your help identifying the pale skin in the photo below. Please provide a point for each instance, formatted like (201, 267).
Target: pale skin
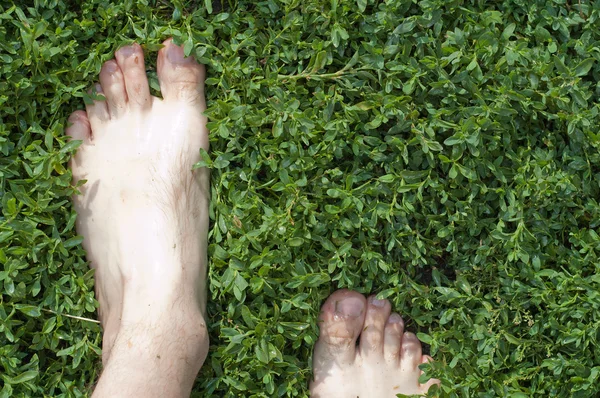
(143, 213)
(384, 363)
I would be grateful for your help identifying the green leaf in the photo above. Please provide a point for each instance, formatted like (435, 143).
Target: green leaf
(261, 354)
(208, 6)
(362, 5)
(319, 61)
(237, 112)
(188, 47)
(6, 234)
(584, 67)
(49, 325)
(387, 178)
(508, 31)
(405, 27)
(24, 377)
(425, 338)
(70, 146)
(560, 65)
(72, 242)
(28, 310)
(295, 242)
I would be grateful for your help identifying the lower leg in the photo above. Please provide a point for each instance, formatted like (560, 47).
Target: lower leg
(155, 359)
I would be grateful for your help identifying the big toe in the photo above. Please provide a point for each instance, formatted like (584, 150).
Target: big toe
(341, 321)
(181, 78)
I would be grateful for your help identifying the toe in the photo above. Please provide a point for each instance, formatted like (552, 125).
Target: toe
(340, 323)
(97, 111)
(113, 85)
(131, 62)
(392, 338)
(79, 126)
(410, 352)
(180, 77)
(371, 338)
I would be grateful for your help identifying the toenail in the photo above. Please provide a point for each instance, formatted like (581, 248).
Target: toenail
(395, 318)
(175, 55)
(127, 51)
(350, 306)
(99, 88)
(110, 67)
(377, 303)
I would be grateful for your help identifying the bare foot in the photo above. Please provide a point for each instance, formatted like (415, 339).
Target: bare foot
(143, 212)
(384, 364)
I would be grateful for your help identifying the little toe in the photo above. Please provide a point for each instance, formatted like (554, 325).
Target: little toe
(410, 352)
(371, 338)
(131, 62)
(79, 126)
(97, 111)
(181, 78)
(392, 338)
(340, 323)
(113, 85)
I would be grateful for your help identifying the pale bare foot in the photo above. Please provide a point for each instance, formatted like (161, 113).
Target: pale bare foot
(143, 212)
(384, 364)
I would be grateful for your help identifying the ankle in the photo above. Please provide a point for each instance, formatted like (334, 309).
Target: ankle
(154, 356)
(170, 337)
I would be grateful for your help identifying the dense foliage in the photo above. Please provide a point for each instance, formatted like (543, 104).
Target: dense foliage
(443, 154)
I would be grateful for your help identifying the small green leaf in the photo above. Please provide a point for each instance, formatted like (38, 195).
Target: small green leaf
(508, 31)
(70, 146)
(176, 14)
(49, 325)
(72, 242)
(295, 242)
(188, 47)
(28, 310)
(387, 178)
(237, 112)
(208, 6)
(319, 61)
(362, 5)
(584, 67)
(24, 377)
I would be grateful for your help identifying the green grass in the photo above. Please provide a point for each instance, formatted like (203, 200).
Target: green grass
(443, 154)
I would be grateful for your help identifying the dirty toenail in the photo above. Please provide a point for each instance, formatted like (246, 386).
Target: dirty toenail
(175, 55)
(351, 306)
(127, 51)
(395, 318)
(377, 303)
(99, 88)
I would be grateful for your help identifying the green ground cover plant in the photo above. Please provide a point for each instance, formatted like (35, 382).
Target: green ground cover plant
(443, 154)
